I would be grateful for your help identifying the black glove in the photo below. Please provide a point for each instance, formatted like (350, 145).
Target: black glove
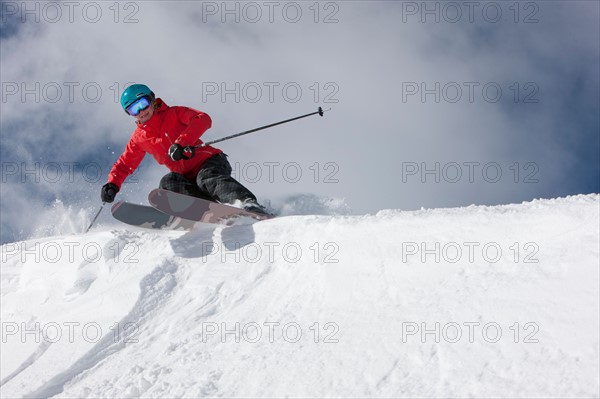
(177, 152)
(108, 192)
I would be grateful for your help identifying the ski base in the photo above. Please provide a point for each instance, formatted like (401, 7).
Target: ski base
(148, 217)
(197, 209)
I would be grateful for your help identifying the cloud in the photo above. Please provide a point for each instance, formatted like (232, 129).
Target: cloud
(460, 100)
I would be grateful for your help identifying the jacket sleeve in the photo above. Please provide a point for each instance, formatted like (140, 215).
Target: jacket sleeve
(197, 123)
(126, 164)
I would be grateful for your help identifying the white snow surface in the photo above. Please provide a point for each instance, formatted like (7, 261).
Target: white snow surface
(498, 301)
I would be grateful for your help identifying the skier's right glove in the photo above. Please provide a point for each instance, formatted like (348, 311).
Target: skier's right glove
(108, 192)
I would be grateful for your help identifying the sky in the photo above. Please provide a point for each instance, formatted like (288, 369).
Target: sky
(433, 104)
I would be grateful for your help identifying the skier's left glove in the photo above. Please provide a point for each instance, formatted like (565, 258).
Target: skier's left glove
(177, 152)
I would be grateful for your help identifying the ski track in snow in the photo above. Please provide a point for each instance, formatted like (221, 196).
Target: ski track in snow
(168, 291)
(154, 288)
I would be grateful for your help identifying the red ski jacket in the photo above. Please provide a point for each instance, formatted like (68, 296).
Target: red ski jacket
(168, 125)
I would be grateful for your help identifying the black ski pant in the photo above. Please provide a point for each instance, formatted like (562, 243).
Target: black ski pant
(213, 182)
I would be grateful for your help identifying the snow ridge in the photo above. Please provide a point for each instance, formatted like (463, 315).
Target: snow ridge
(475, 301)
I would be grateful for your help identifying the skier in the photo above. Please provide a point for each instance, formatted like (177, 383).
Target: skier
(170, 134)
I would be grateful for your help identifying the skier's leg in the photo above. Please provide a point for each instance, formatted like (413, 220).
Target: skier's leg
(180, 184)
(215, 180)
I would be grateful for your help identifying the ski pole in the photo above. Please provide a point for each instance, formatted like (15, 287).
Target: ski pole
(319, 111)
(95, 217)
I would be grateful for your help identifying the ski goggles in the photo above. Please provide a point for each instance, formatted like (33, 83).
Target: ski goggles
(138, 106)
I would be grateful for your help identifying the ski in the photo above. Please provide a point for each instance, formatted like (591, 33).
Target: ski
(197, 209)
(148, 217)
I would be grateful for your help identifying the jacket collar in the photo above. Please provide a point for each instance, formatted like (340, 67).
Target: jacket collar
(160, 105)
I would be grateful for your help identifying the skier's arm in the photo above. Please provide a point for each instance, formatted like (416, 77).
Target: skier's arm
(197, 123)
(126, 164)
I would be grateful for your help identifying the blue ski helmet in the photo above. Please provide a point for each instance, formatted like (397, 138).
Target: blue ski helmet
(134, 92)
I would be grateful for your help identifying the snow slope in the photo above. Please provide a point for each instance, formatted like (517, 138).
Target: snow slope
(480, 301)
